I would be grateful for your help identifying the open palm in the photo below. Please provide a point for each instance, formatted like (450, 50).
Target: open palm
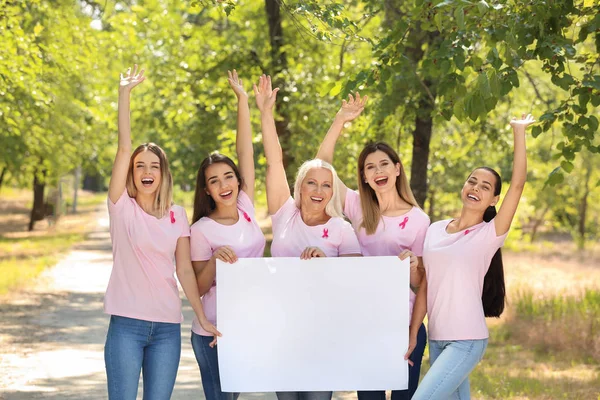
(522, 123)
(132, 79)
(352, 108)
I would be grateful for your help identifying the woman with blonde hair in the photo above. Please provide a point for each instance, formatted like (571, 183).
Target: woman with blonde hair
(310, 224)
(147, 231)
(386, 217)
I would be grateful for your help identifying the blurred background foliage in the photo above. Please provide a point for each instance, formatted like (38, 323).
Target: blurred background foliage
(444, 78)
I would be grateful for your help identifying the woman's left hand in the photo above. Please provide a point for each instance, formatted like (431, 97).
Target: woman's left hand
(236, 84)
(311, 252)
(414, 260)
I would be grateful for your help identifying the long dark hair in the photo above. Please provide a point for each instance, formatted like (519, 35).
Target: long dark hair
(368, 198)
(203, 203)
(493, 296)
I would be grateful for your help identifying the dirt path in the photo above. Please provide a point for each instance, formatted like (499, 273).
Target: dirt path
(52, 336)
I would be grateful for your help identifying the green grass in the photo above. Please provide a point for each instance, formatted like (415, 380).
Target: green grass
(29, 257)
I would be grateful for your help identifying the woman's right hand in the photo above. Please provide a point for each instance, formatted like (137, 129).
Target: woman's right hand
(412, 343)
(352, 108)
(225, 254)
(236, 84)
(265, 94)
(131, 80)
(210, 328)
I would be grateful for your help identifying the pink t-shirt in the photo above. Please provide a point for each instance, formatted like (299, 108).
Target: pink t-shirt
(393, 234)
(456, 264)
(291, 235)
(244, 237)
(142, 283)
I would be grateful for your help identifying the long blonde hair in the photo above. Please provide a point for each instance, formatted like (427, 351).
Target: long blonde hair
(368, 197)
(334, 208)
(163, 199)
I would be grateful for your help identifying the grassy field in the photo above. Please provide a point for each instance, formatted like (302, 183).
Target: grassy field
(23, 254)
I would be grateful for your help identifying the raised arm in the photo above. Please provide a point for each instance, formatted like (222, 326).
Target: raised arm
(519, 175)
(119, 172)
(349, 111)
(243, 140)
(278, 190)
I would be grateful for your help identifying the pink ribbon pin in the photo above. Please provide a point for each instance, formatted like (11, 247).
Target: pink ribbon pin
(325, 233)
(403, 223)
(469, 231)
(247, 217)
(172, 217)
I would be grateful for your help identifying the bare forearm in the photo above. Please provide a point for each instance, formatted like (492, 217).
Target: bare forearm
(519, 175)
(188, 282)
(243, 142)
(420, 309)
(327, 148)
(273, 151)
(206, 276)
(124, 120)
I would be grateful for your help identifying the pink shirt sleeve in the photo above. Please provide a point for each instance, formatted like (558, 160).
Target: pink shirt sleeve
(417, 246)
(199, 245)
(349, 243)
(352, 206)
(495, 242)
(116, 208)
(183, 221)
(283, 214)
(245, 204)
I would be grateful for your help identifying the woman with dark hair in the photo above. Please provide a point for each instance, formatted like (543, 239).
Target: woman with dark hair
(224, 228)
(309, 224)
(386, 218)
(147, 232)
(464, 280)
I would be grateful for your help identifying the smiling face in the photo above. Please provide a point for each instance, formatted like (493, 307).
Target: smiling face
(222, 185)
(316, 190)
(146, 172)
(380, 172)
(478, 192)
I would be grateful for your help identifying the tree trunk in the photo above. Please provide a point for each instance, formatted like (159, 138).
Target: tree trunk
(583, 205)
(420, 153)
(76, 180)
(2, 175)
(38, 208)
(278, 67)
(537, 223)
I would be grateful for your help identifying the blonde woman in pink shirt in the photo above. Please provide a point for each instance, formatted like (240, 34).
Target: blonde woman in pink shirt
(147, 233)
(464, 281)
(224, 228)
(386, 218)
(311, 223)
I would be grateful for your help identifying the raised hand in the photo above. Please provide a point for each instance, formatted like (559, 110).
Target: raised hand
(352, 108)
(236, 84)
(521, 124)
(265, 95)
(131, 79)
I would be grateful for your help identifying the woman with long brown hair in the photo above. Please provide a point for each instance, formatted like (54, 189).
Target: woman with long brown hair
(386, 217)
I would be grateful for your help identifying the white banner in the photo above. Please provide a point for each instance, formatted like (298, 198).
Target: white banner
(311, 325)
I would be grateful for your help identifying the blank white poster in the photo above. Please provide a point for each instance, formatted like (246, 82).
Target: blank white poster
(311, 325)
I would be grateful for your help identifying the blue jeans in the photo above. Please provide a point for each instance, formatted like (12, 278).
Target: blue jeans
(451, 363)
(304, 395)
(414, 373)
(209, 368)
(134, 345)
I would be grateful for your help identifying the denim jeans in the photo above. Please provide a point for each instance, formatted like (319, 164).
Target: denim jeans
(133, 345)
(209, 368)
(414, 373)
(304, 395)
(451, 363)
